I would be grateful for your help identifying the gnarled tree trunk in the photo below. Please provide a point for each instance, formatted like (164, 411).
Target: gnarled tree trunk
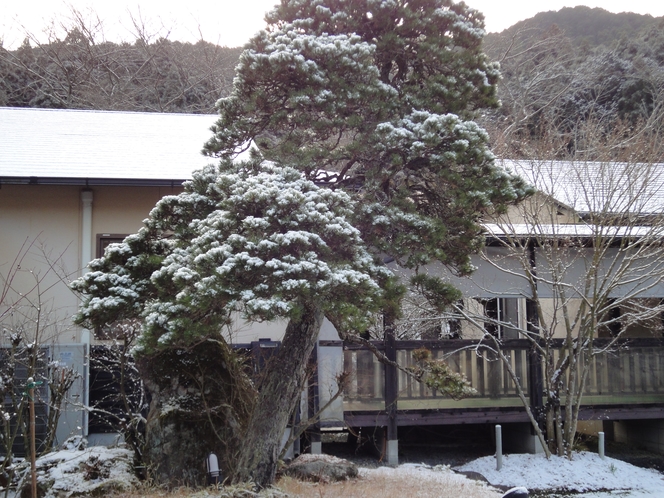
(201, 401)
(278, 396)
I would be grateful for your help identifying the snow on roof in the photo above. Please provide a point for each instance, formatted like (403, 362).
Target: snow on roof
(581, 230)
(596, 186)
(62, 146)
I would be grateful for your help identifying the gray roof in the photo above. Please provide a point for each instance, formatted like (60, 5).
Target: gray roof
(55, 146)
(576, 230)
(72, 147)
(599, 187)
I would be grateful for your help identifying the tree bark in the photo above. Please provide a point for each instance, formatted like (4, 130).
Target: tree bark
(279, 393)
(201, 401)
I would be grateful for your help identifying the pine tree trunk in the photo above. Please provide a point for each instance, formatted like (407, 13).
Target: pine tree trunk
(279, 393)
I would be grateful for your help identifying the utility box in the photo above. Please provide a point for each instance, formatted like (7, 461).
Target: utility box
(73, 416)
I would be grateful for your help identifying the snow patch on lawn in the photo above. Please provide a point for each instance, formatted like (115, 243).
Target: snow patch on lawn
(585, 472)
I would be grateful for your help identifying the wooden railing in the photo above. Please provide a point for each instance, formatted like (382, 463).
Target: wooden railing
(631, 372)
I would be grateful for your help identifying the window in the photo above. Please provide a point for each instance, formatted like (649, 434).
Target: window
(111, 331)
(631, 318)
(105, 239)
(501, 313)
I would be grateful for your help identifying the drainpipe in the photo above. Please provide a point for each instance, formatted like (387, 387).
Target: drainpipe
(86, 257)
(86, 242)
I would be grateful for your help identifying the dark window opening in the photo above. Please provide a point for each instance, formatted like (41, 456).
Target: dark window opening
(501, 313)
(106, 239)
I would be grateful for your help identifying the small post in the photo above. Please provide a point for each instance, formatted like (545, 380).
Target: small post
(391, 392)
(600, 445)
(33, 446)
(212, 463)
(499, 448)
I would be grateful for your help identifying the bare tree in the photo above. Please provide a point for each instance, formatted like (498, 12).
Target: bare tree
(587, 250)
(28, 326)
(537, 68)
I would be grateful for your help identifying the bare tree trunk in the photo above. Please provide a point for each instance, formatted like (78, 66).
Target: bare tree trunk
(277, 398)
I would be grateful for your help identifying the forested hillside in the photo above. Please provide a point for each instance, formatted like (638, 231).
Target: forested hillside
(584, 26)
(565, 70)
(78, 72)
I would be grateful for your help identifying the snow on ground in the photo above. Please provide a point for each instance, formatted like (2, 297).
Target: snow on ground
(85, 471)
(586, 472)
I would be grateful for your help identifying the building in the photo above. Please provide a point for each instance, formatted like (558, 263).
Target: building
(71, 182)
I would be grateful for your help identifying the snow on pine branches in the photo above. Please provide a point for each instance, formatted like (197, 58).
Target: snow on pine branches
(252, 237)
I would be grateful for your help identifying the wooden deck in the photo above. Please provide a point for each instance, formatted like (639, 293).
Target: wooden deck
(625, 383)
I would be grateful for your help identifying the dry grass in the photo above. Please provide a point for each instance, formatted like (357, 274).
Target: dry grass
(386, 488)
(374, 483)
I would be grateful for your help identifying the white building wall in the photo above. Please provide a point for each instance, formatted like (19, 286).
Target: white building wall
(43, 224)
(47, 222)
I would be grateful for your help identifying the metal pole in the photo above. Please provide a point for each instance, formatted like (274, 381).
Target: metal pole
(499, 448)
(600, 445)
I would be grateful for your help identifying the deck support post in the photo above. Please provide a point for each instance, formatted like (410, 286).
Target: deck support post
(391, 391)
(314, 405)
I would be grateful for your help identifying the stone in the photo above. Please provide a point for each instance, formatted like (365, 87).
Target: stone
(321, 468)
(518, 492)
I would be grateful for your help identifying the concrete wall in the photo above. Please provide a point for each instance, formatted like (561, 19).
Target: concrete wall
(73, 418)
(121, 210)
(45, 222)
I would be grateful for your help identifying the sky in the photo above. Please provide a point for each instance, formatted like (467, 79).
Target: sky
(233, 22)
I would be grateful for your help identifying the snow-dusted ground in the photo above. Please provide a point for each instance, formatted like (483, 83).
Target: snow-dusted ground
(66, 469)
(586, 473)
(93, 471)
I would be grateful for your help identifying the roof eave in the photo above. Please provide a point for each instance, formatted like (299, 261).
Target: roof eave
(91, 182)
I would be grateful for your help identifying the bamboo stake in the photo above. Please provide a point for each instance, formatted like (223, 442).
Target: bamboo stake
(33, 447)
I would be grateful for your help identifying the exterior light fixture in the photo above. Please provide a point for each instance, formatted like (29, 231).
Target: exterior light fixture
(212, 463)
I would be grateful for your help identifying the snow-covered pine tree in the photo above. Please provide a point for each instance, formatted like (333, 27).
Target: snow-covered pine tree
(377, 97)
(253, 238)
(371, 98)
